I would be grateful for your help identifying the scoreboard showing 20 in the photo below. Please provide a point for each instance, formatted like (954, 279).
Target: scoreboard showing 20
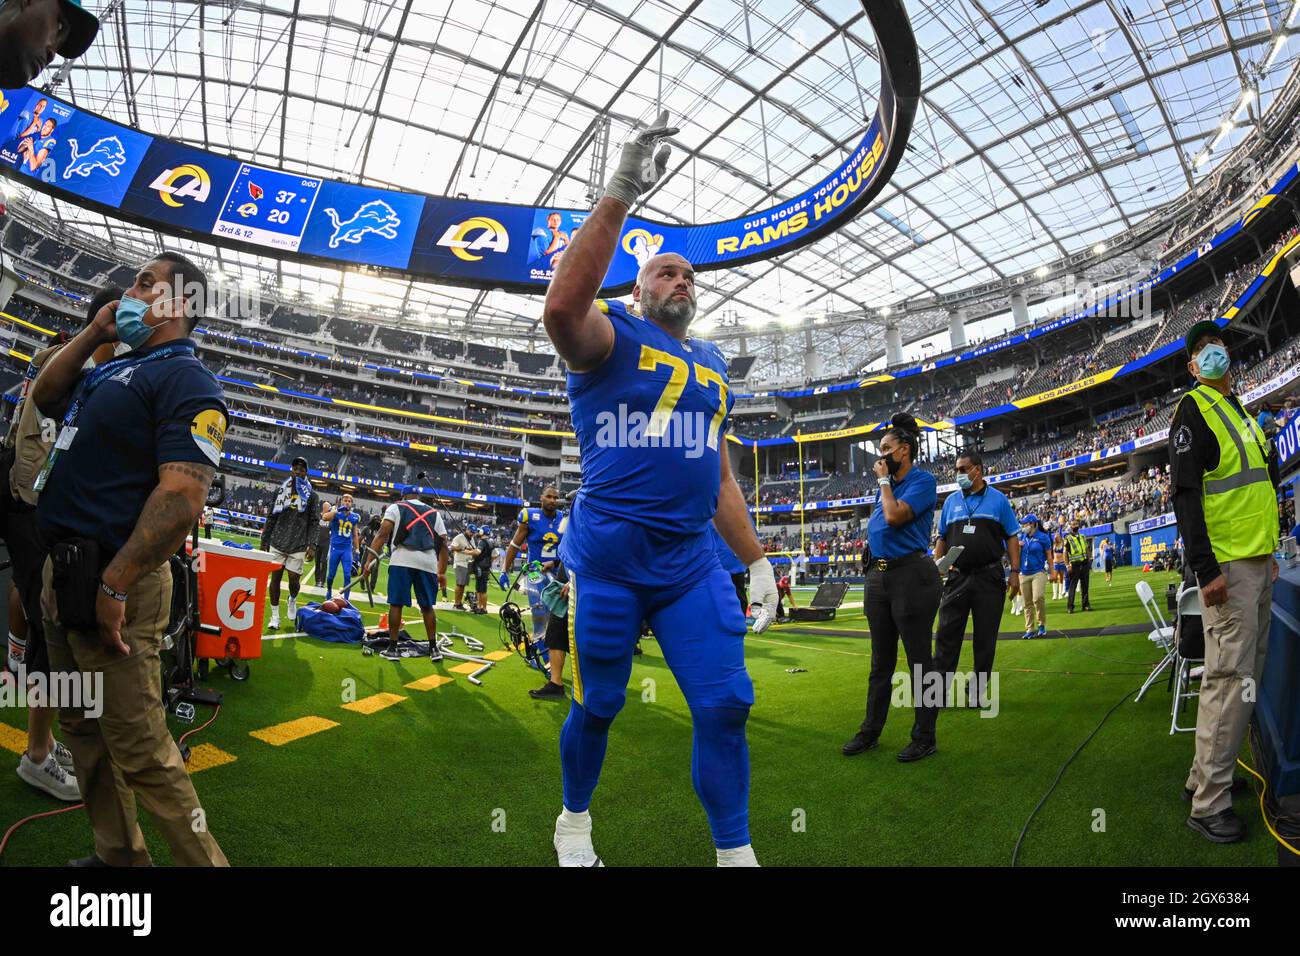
(267, 207)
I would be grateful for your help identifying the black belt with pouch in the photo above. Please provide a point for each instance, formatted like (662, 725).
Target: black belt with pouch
(77, 567)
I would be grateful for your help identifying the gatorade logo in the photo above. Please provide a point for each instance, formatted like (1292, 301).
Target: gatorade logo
(235, 603)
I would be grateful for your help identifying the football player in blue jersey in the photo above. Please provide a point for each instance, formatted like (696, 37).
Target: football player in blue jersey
(649, 405)
(345, 540)
(539, 532)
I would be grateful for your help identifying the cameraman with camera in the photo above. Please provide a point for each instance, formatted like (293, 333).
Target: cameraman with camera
(127, 478)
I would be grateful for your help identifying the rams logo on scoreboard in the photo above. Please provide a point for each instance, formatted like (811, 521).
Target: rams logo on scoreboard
(475, 235)
(641, 245)
(183, 182)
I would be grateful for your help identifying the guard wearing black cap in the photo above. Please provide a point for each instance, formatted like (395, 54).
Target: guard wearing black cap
(32, 31)
(289, 535)
(1224, 479)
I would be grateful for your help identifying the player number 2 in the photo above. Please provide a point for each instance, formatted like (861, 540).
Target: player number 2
(652, 358)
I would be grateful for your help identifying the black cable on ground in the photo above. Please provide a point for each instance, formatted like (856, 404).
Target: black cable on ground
(1015, 854)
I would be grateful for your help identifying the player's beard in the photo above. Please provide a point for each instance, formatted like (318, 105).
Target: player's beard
(674, 315)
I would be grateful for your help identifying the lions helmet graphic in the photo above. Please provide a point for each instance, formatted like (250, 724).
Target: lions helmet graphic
(107, 154)
(375, 216)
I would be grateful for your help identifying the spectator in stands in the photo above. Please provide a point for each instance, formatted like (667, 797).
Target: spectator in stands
(31, 31)
(123, 486)
(289, 533)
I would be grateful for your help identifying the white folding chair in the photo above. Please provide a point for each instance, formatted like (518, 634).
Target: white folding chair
(1189, 605)
(1163, 635)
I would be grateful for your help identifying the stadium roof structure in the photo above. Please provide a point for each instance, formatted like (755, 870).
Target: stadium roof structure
(1045, 126)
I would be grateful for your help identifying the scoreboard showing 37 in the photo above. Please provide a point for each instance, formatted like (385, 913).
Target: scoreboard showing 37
(267, 207)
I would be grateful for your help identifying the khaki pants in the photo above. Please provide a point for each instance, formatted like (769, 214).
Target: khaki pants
(1236, 642)
(1033, 588)
(127, 751)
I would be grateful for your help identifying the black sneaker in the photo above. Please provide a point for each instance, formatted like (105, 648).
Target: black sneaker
(1222, 827)
(860, 744)
(548, 691)
(1239, 783)
(636, 651)
(458, 607)
(435, 652)
(391, 653)
(916, 751)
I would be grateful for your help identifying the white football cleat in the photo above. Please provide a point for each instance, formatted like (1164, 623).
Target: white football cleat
(738, 856)
(572, 840)
(274, 624)
(50, 777)
(293, 609)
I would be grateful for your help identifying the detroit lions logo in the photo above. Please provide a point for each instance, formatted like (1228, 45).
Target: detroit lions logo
(107, 154)
(375, 216)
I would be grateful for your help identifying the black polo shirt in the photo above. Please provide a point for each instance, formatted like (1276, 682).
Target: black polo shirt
(147, 414)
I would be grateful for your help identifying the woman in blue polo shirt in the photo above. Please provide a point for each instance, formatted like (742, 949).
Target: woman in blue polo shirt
(902, 590)
(1035, 552)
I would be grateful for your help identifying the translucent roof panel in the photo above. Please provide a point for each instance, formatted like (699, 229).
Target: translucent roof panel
(1044, 125)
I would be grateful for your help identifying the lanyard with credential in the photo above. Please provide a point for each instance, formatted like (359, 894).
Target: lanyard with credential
(85, 389)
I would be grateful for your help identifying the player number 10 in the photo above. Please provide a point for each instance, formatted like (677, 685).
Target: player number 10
(651, 359)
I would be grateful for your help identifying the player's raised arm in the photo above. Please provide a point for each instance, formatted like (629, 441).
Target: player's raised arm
(581, 333)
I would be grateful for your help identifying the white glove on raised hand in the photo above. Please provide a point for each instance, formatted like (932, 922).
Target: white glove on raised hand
(640, 166)
(762, 594)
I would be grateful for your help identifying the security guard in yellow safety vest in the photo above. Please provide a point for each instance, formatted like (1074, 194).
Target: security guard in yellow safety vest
(1076, 550)
(1224, 480)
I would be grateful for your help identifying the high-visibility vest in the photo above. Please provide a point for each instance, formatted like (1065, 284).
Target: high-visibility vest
(1238, 496)
(1077, 547)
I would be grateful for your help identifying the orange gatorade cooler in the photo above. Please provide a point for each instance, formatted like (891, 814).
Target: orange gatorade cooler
(232, 596)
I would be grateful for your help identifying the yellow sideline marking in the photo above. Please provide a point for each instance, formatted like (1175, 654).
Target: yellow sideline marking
(430, 682)
(11, 738)
(281, 734)
(496, 655)
(468, 667)
(207, 756)
(374, 703)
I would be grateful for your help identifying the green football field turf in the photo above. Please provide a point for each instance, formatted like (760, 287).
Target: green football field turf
(469, 775)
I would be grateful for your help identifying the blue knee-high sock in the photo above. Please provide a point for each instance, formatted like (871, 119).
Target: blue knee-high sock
(333, 565)
(720, 772)
(582, 752)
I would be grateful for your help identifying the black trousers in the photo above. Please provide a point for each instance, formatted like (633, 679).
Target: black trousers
(978, 596)
(27, 552)
(1079, 576)
(901, 603)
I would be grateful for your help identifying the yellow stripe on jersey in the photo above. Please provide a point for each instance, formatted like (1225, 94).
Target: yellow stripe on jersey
(573, 637)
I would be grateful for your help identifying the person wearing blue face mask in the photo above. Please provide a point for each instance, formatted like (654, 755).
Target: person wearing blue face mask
(124, 483)
(1224, 476)
(978, 518)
